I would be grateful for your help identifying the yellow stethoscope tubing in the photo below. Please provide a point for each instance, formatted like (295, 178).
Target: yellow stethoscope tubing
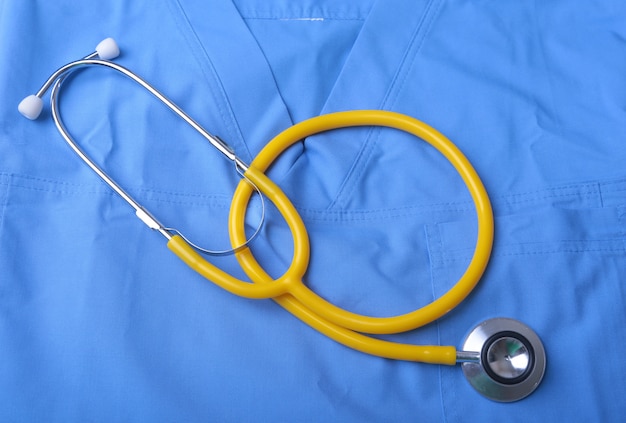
(293, 295)
(259, 290)
(426, 354)
(289, 290)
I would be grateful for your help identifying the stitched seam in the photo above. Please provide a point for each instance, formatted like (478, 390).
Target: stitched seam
(306, 13)
(4, 198)
(449, 207)
(611, 193)
(608, 186)
(364, 157)
(92, 188)
(224, 106)
(467, 254)
(434, 249)
(66, 188)
(549, 75)
(215, 202)
(304, 19)
(590, 189)
(323, 15)
(427, 22)
(582, 191)
(573, 191)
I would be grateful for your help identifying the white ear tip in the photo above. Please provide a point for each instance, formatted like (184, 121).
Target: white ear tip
(31, 107)
(107, 49)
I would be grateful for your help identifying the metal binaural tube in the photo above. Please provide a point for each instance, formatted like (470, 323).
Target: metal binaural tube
(55, 82)
(142, 213)
(90, 60)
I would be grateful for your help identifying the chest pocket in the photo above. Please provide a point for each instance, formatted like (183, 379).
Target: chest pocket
(558, 265)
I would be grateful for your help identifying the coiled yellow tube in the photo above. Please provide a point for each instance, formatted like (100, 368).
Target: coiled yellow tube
(289, 290)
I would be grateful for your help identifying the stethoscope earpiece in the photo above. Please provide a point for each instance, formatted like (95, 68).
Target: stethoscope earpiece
(107, 49)
(511, 363)
(32, 105)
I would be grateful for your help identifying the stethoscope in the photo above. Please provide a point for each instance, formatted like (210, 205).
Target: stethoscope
(502, 358)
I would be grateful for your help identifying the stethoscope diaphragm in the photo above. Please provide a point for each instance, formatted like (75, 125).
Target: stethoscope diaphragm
(512, 359)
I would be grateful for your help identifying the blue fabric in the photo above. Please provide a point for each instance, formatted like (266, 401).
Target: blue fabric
(100, 322)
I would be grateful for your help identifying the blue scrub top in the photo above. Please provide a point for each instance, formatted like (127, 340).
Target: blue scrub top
(100, 322)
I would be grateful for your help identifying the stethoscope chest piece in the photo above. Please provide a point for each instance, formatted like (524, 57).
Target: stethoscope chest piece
(512, 360)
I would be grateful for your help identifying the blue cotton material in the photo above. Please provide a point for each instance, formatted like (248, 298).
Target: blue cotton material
(100, 322)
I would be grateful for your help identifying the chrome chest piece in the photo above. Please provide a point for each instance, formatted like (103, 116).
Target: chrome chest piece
(512, 360)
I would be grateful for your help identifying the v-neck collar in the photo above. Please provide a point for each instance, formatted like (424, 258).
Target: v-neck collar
(371, 77)
(383, 51)
(251, 117)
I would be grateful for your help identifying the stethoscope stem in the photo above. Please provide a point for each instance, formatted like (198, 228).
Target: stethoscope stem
(467, 357)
